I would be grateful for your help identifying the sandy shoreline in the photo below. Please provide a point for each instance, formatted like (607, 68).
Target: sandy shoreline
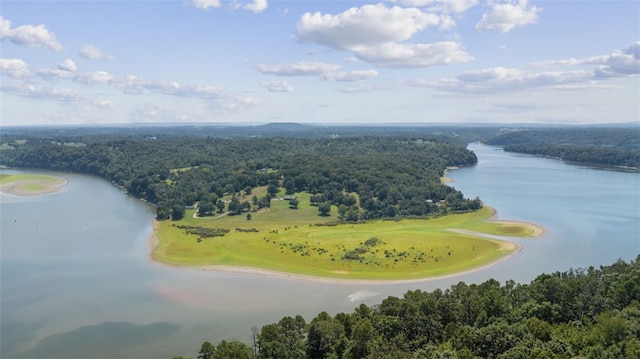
(19, 188)
(152, 242)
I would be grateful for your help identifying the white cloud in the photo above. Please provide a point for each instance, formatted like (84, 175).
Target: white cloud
(87, 78)
(256, 6)
(377, 34)
(277, 86)
(102, 103)
(619, 63)
(369, 25)
(97, 77)
(506, 16)
(205, 4)
(93, 53)
(67, 65)
(14, 68)
(29, 35)
(330, 72)
(55, 74)
(43, 93)
(455, 6)
(509, 80)
(305, 68)
(414, 55)
(350, 76)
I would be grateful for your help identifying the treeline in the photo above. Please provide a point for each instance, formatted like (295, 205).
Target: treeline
(370, 177)
(585, 313)
(590, 145)
(597, 155)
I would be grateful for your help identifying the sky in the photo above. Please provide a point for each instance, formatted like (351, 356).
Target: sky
(320, 62)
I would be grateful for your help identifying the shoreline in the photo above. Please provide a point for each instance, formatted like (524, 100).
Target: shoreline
(16, 188)
(152, 242)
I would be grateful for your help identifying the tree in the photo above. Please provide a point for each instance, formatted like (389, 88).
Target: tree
(293, 203)
(177, 212)
(205, 208)
(272, 190)
(324, 208)
(233, 350)
(249, 216)
(207, 351)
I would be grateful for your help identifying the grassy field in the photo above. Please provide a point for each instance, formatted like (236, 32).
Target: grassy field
(295, 241)
(30, 184)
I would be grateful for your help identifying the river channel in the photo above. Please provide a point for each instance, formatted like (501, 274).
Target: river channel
(76, 281)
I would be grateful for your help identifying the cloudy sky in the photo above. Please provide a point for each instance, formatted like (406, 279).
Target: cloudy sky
(323, 62)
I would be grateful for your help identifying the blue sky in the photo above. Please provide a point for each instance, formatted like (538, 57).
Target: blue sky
(323, 62)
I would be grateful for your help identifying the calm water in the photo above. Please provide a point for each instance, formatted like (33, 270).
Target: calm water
(76, 282)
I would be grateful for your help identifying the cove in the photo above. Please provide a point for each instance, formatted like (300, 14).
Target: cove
(77, 282)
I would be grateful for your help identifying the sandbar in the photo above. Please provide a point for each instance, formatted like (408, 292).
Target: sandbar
(34, 186)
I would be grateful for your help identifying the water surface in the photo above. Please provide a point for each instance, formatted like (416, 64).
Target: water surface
(76, 281)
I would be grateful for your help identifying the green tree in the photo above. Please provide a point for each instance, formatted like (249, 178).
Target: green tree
(233, 350)
(293, 203)
(272, 190)
(324, 208)
(207, 351)
(177, 212)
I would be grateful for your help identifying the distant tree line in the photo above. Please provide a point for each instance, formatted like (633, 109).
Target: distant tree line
(589, 145)
(583, 313)
(366, 177)
(588, 155)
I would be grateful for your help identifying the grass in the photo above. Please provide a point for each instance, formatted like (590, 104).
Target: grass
(10, 178)
(292, 241)
(30, 183)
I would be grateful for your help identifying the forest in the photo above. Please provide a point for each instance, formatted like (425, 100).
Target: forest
(594, 145)
(581, 313)
(374, 177)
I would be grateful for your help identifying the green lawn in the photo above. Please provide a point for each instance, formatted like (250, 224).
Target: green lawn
(289, 240)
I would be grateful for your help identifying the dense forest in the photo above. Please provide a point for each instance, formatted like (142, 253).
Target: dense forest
(370, 177)
(373, 171)
(592, 145)
(583, 313)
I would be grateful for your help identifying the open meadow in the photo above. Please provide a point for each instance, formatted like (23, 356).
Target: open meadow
(299, 241)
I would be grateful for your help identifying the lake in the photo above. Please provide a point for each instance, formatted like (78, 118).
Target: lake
(76, 281)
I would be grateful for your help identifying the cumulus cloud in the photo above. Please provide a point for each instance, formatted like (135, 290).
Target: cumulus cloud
(43, 93)
(257, 6)
(131, 84)
(277, 86)
(97, 77)
(509, 15)
(305, 68)
(414, 55)
(510, 80)
(14, 68)
(350, 76)
(454, 6)
(619, 63)
(378, 34)
(29, 35)
(92, 53)
(205, 4)
(366, 26)
(67, 65)
(330, 72)
(87, 78)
